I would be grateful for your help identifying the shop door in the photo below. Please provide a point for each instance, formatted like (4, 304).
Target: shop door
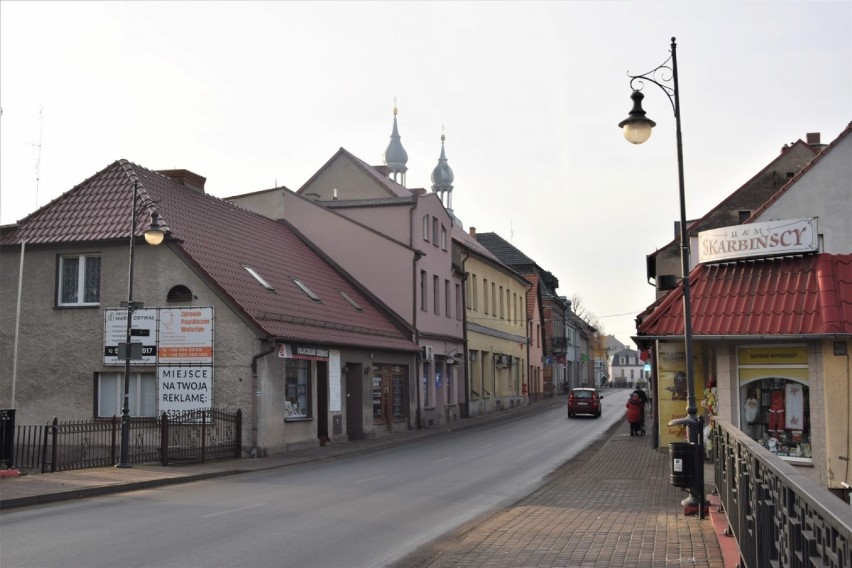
(388, 385)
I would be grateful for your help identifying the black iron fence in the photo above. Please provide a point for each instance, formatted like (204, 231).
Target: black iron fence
(193, 437)
(779, 516)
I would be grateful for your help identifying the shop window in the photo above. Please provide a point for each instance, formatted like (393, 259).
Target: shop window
(142, 399)
(297, 403)
(775, 412)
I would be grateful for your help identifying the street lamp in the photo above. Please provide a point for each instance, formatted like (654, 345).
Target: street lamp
(154, 235)
(637, 129)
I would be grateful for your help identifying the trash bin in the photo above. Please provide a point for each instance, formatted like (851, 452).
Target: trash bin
(683, 464)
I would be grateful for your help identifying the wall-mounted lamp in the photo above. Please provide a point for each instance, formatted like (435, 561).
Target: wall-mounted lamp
(368, 370)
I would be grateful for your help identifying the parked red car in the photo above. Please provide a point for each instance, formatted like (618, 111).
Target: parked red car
(584, 401)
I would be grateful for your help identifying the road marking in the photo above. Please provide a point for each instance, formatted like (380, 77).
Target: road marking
(229, 511)
(442, 459)
(365, 480)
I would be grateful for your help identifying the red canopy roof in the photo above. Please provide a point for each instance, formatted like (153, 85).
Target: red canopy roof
(800, 295)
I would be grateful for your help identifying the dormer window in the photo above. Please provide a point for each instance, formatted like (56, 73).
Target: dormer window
(259, 278)
(306, 290)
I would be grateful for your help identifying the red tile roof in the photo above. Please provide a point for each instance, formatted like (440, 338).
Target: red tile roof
(219, 239)
(802, 295)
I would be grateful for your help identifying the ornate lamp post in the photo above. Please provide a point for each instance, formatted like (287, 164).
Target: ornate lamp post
(637, 129)
(154, 235)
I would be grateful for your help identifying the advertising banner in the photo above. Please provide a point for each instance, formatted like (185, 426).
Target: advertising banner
(186, 336)
(672, 384)
(143, 330)
(184, 389)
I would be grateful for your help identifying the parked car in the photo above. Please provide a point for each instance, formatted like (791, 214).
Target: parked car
(584, 401)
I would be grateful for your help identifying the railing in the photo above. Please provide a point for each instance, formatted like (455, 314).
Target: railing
(779, 517)
(66, 445)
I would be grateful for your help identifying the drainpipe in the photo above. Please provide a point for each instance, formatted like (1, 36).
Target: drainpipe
(417, 256)
(465, 408)
(529, 363)
(255, 394)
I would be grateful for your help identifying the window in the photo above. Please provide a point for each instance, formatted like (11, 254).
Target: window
(474, 295)
(259, 278)
(79, 280)
(142, 399)
(436, 292)
(493, 298)
(502, 312)
(435, 231)
(304, 288)
(425, 227)
(427, 376)
(423, 290)
(297, 389)
(443, 237)
(458, 302)
(485, 294)
(447, 299)
(467, 287)
(352, 302)
(632, 360)
(776, 412)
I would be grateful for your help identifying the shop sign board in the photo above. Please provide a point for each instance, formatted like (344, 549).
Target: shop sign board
(143, 330)
(771, 238)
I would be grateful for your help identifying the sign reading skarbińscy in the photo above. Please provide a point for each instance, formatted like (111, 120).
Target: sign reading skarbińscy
(184, 389)
(772, 238)
(186, 336)
(143, 330)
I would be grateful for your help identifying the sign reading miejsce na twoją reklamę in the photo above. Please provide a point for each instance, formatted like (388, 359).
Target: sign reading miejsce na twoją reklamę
(179, 341)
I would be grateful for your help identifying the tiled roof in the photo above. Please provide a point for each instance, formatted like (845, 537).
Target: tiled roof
(466, 240)
(504, 250)
(219, 239)
(801, 295)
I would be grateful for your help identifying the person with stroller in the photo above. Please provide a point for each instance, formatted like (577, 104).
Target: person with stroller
(636, 414)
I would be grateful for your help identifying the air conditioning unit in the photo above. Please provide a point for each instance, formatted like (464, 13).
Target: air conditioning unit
(426, 353)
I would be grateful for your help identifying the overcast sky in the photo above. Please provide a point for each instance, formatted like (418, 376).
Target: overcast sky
(529, 94)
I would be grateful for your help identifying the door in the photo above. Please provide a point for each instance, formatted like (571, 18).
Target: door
(322, 402)
(354, 407)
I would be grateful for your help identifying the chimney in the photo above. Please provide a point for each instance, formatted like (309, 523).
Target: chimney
(383, 170)
(813, 138)
(185, 177)
(473, 231)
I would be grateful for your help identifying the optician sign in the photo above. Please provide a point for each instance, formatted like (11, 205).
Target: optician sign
(772, 238)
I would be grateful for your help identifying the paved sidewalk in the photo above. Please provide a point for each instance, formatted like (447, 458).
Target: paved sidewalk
(613, 505)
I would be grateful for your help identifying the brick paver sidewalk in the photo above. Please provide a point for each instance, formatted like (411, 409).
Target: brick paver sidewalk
(613, 505)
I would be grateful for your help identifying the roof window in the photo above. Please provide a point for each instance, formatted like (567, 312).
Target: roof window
(352, 302)
(259, 278)
(306, 290)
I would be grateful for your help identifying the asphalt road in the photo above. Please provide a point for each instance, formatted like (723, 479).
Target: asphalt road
(365, 510)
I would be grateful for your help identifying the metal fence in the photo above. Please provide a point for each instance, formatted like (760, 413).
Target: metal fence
(193, 437)
(779, 517)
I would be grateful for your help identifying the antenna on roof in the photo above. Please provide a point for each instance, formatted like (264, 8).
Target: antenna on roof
(38, 155)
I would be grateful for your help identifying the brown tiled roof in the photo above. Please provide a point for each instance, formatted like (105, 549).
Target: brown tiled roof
(801, 295)
(219, 239)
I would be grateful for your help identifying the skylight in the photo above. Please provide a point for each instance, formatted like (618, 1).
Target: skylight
(306, 290)
(259, 278)
(350, 300)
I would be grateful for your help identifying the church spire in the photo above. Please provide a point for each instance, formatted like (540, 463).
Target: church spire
(442, 178)
(396, 157)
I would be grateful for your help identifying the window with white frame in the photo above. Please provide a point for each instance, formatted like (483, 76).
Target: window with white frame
(425, 227)
(448, 310)
(435, 231)
(79, 280)
(443, 237)
(142, 399)
(423, 284)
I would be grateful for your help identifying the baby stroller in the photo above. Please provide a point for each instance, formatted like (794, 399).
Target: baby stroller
(636, 415)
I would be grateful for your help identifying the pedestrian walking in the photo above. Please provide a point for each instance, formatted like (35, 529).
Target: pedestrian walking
(635, 414)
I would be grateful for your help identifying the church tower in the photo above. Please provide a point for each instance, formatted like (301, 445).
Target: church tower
(396, 157)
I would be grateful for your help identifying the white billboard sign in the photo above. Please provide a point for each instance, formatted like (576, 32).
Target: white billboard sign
(186, 336)
(772, 238)
(143, 330)
(184, 389)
